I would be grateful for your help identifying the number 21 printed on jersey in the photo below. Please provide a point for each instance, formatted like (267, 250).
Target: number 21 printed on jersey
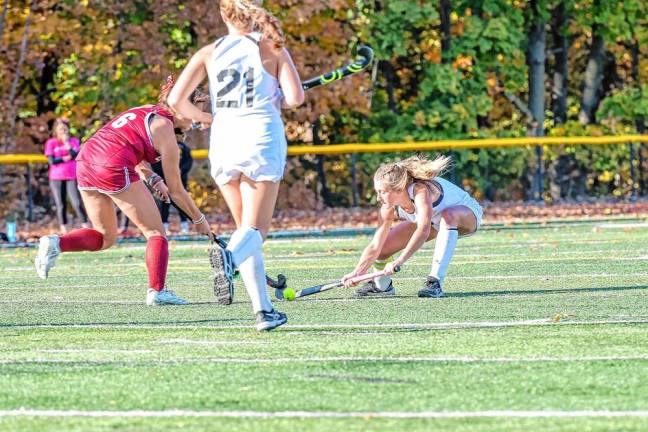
(234, 77)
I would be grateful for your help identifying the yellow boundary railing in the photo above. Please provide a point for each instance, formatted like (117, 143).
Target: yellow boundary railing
(332, 149)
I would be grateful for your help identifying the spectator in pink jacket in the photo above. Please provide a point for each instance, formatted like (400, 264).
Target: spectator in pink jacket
(61, 150)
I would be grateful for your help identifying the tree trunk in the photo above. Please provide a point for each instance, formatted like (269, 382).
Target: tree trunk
(560, 73)
(5, 7)
(536, 62)
(106, 89)
(640, 122)
(593, 78)
(445, 8)
(44, 102)
(564, 169)
(324, 191)
(8, 145)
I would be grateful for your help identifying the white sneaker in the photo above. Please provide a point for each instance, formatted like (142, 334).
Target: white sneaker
(48, 250)
(163, 297)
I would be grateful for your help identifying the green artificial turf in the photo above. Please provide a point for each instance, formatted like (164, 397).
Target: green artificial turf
(538, 323)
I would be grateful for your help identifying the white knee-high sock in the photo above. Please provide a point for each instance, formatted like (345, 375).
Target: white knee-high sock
(444, 247)
(382, 282)
(243, 243)
(253, 274)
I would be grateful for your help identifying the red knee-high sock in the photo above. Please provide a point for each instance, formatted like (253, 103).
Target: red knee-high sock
(157, 260)
(84, 239)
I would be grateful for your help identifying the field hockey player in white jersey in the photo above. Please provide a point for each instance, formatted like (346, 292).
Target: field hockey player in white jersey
(251, 77)
(428, 207)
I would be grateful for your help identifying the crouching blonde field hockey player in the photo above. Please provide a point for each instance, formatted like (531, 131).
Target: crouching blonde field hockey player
(251, 76)
(109, 168)
(428, 207)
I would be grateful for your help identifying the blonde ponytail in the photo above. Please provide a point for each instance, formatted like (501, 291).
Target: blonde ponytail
(399, 175)
(249, 15)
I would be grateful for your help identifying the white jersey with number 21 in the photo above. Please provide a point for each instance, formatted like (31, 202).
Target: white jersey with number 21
(247, 133)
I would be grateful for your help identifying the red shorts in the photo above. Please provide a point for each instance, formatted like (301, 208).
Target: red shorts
(111, 179)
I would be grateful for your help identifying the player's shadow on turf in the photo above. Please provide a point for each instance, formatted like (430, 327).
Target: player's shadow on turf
(541, 292)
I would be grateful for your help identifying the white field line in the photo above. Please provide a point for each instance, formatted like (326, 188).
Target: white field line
(349, 326)
(179, 283)
(519, 242)
(609, 253)
(210, 342)
(27, 412)
(623, 225)
(93, 350)
(325, 359)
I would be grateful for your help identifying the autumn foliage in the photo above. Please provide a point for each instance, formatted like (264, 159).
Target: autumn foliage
(443, 70)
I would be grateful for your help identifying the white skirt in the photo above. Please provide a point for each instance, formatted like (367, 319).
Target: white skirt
(249, 148)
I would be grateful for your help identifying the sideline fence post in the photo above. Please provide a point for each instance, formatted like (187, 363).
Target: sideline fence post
(30, 195)
(633, 173)
(539, 173)
(354, 182)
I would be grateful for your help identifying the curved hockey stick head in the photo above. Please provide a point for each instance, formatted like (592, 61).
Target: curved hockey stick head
(364, 58)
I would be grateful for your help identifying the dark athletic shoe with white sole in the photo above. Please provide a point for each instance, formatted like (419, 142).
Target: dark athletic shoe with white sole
(222, 273)
(266, 321)
(432, 288)
(370, 289)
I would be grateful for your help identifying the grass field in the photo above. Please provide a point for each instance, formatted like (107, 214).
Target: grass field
(543, 328)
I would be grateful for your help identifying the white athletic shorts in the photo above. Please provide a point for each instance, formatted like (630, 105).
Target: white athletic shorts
(467, 201)
(259, 161)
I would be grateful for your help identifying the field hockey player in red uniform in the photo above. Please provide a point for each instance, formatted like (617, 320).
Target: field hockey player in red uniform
(110, 166)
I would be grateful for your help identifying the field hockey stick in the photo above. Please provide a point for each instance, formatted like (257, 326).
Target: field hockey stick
(331, 285)
(278, 284)
(364, 57)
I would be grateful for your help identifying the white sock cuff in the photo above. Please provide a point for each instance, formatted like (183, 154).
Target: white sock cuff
(244, 242)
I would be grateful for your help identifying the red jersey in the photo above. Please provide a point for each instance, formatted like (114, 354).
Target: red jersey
(126, 140)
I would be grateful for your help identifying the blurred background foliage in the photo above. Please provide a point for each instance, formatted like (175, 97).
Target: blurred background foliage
(443, 70)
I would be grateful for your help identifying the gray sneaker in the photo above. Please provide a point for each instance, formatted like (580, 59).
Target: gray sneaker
(266, 321)
(163, 297)
(370, 289)
(48, 250)
(223, 274)
(432, 288)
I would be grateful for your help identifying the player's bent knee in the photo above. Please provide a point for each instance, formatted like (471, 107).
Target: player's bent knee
(452, 216)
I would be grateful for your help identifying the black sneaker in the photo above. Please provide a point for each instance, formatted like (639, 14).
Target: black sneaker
(266, 321)
(432, 288)
(223, 274)
(370, 289)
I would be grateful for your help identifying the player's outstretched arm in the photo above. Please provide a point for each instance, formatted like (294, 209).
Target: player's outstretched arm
(165, 143)
(291, 86)
(190, 78)
(423, 200)
(372, 251)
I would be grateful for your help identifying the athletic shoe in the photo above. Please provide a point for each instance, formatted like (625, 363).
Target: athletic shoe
(48, 250)
(370, 289)
(222, 266)
(266, 321)
(163, 297)
(432, 288)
